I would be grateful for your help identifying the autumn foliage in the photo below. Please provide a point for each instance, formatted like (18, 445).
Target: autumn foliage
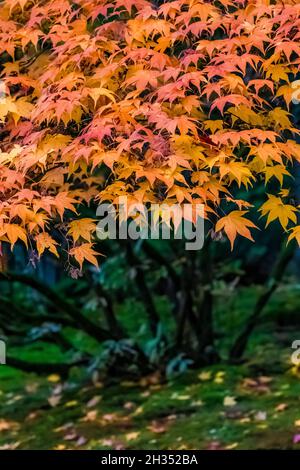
(182, 101)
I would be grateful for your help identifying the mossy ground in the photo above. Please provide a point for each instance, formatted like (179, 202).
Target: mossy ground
(255, 405)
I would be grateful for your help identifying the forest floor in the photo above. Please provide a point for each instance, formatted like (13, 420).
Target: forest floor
(255, 405)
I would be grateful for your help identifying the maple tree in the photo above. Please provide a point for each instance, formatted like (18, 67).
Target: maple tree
(184, 101)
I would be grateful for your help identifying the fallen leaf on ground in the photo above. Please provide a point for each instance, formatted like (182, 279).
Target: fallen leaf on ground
(296, 438)
(90, 416)
(7, 425)
(214, 445)
(260, 416)
(229, 401)
(131, 436)
(11, 446)
(231, 446)
(54, 400)
(31, 387)
(157, 427)
(129, 405)
(64, 427)
(205, 375)
(60, 447)
(94, 401)
(81, 441)
(258, 385)
(71, 404)
(176, 396)
(71, 436)
(54, 378)
(219, 377)
(281, 407)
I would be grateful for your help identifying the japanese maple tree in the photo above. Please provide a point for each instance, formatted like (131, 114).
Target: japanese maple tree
(182, 101)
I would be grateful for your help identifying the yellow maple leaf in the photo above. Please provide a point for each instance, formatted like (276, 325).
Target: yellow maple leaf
(237, 171)
(213, 125)
(233, 224)
(44, 241)
(84, 252)
(276, 209)
(14, 232)
(82, 228)
(277, 171)
(295, 233)
(63, 202)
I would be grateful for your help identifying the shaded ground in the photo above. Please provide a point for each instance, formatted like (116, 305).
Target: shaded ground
(220, 407)
(250, 406)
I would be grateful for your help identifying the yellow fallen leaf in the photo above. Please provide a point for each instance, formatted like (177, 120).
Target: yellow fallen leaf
(71, 403)
(229, 401)
(175, 396)
(205, 375)
(138, 411)
(281, 407)
(262, 426)
(90, 416)
(6, 425)
(54, 378)
(231, 446)
(128, 384)
(131, 436)
(244, 420)
(219, 377)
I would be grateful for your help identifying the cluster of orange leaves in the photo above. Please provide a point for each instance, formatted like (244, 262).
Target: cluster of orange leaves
(181, 101)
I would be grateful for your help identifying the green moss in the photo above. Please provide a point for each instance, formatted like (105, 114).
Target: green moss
(187, 412)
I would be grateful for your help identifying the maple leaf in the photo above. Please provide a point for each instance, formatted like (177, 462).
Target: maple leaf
(295, 234)
(82, 228)
(235, 99)
(277, 171)
(275, 208)
(63, 201)
(234, 223)
(83, 253)
(142, 78)
(96, 93)
(14, 232)
(45, 241)
(236, 170)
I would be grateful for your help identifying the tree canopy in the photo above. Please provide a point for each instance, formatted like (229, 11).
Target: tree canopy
(182, 101)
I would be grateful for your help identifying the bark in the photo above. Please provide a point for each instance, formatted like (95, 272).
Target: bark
(60, 304)
(143, 289)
